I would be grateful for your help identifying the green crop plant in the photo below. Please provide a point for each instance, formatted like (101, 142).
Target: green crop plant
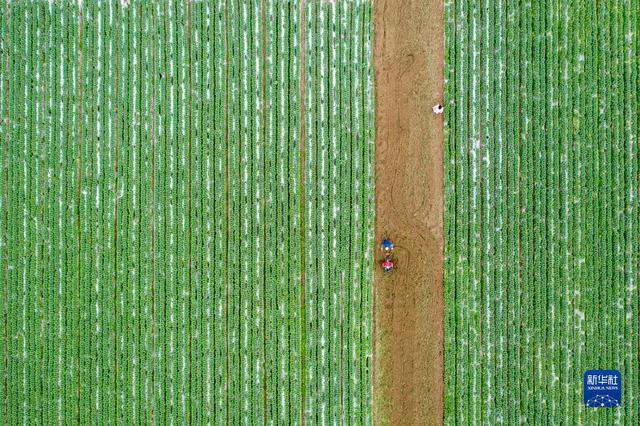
(541, 209)
(186, 212)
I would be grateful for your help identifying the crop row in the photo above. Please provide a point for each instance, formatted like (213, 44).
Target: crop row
(541, 214)
(186, 212)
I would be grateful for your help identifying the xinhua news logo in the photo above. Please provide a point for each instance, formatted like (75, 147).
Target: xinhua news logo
(602, 388)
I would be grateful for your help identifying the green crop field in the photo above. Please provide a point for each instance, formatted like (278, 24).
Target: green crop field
(186, 212)
(541, 214)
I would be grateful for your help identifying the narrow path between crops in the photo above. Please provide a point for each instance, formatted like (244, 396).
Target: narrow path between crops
(408, 347)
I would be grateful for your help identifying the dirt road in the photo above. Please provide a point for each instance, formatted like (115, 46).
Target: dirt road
(408, 57)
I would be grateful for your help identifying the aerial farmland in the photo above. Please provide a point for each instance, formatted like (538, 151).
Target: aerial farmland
(305, 212)
(187, 212)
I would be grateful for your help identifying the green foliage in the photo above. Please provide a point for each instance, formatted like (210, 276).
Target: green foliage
(541, 208)
(184, 237)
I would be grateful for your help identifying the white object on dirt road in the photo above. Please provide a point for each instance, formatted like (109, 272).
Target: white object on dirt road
(438, 108)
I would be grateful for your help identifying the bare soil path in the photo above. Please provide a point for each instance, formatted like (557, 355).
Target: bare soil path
(408, 357)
